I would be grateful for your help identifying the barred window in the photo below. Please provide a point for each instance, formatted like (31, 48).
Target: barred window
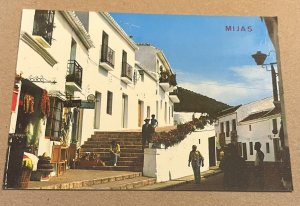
(227, 129)
(109, 102)
(54, 121)
(251, 148)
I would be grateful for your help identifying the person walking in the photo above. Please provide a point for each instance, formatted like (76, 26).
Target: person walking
(196, 159)
(145, 133)
(114, 152)
(259, 166)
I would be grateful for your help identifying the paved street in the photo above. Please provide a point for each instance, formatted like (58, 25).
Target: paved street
(215, 183)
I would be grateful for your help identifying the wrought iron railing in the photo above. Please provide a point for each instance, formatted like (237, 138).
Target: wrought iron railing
(175, 92)
(43, 24)
(167, 78)
(107, 55)
(74, 73)
(127, 70)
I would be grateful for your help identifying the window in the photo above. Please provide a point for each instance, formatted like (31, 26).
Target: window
(43, 24)
(109, 102)
(227, 129)
(148, 112)
(104, 47)
(240, 148)
(250, 128)
(275, 131)
(142, 76)
(54, 121)
(268, 147)
(233, 125)
(251, 148)
(222, 127)
(73, 50)
(172, 111)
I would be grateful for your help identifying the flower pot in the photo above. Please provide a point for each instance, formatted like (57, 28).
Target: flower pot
(24, 179)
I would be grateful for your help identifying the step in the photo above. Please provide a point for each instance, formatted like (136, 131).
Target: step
(87, 183)
(121, 159)
(123, 150)
(113, 137)
(115, 168)
(107, 154)
(117, 132)
(128, 184)
(99, 145)
(96, 141)
(127, 163)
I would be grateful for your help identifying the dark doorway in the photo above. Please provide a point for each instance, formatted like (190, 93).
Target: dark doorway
(245, 151)
(212, 151)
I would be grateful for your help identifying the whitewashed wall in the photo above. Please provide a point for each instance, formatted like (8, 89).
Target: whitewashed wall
(253, 107)
(172, 163)
(261, 131)
(223, 120)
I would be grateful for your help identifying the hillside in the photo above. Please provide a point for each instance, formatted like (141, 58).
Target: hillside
(194, 102)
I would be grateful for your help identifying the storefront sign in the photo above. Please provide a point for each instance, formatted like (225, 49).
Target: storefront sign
(72, 103)
(87, 105)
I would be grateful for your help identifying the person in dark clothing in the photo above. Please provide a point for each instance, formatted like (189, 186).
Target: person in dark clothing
(259, 166)
(145, 132)
(196, 159)
(153, 125)
(233, 167)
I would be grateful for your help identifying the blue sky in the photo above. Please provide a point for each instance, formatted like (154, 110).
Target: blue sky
(206, 58)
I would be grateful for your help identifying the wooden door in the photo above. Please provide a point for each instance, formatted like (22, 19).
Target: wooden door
(139, 114)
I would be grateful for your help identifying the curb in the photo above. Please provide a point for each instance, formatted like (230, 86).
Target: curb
(86, 183)
(162, 186)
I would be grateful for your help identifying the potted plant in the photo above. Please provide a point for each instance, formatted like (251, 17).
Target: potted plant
(27, 166)
(44, 168)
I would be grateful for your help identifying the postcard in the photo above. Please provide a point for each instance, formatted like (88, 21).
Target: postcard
(147, 102)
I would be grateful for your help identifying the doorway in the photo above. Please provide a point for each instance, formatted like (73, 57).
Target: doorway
(212, 151)
(276, 149)
(245, 151)
(140, 113)
(124, 110)
(97, 111)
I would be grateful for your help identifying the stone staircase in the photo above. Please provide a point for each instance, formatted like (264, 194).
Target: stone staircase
(131, 158)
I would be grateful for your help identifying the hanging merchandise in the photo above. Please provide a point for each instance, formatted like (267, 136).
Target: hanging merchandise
(45, 104)
(28, 104)
(15, 98)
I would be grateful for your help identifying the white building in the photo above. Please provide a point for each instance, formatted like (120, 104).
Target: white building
(244, 125)
(74, 56)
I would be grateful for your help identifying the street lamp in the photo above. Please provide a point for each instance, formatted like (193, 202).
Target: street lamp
(260, 58)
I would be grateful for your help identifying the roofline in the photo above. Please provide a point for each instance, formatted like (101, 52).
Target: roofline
(160, 54)
(258, 100)
(118, 28)
(235, 111)
(78, 27)
(260, 119)
(142, 67)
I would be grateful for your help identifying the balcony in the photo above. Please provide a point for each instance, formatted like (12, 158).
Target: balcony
(167, 81)
(43, 27)
(127, 72)
(173, 96)
(74, 76)
(222, 139)
(107, 60)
